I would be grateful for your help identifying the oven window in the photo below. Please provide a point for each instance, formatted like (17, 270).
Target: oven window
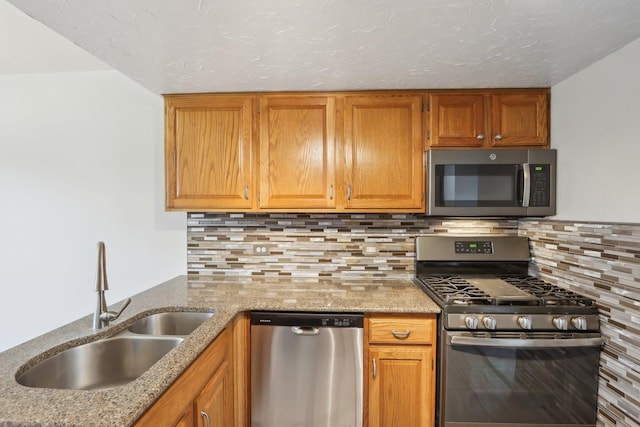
(477, 185)
(521, 386)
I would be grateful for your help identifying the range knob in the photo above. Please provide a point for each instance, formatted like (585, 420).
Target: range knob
(579, 323)
(471, 322)
(489, 322)
(560, 323)
(525, 322)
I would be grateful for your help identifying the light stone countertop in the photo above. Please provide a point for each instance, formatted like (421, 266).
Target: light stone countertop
(122, 405)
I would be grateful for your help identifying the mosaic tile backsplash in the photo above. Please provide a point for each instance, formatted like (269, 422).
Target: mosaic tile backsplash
(601, 261)
(316, 245)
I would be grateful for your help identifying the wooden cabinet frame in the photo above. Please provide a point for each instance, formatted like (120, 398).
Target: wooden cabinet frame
(384, 166)
(402, 345)
(498, 118)
(219, 376)
(297, 152)
(325, 152)
(209, 150)
(295, 146)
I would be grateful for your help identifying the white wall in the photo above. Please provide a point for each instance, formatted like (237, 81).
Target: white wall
(81, 160)
(595, 125)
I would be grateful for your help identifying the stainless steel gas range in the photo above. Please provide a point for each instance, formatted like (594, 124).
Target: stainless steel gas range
(513, 350)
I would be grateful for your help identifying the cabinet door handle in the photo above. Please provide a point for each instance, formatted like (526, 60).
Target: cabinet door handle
(480, 137)
(375, 368)
(205, 417)
(349, 192)
(246, 192)
(401, 335)
(498, 136)
(331, 192)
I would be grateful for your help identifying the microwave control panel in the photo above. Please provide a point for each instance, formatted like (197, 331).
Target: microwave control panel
(540, 185)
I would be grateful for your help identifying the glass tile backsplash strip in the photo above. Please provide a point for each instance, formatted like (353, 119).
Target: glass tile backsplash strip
(308, 245)
(601, 261)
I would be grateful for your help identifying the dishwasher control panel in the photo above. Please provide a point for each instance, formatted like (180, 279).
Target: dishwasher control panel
(321, 320)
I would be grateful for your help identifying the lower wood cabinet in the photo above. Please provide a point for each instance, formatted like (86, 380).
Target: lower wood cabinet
(400, 370)
(399, 380)
(212, 391)
(214, 405)
(187, 419)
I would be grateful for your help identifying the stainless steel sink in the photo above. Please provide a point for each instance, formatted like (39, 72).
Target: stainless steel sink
(114, 361)
(99, 364)
(170, 323)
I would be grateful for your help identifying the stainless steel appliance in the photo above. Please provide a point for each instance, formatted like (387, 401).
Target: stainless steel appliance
(517, 182)
(513, 350)
(306, 369)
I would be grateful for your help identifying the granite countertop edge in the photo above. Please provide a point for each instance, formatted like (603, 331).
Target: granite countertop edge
(227, 296)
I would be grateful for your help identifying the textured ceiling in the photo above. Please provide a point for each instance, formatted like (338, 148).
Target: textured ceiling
(174, 46)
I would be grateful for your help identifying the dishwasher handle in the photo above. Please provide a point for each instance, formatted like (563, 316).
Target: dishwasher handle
(305, 330)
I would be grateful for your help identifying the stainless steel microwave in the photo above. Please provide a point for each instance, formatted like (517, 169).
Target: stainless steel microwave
(513, 182)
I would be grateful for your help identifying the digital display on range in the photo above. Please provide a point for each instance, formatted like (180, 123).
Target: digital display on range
(473, 247)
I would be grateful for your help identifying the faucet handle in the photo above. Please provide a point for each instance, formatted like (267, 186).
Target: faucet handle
(109, 316)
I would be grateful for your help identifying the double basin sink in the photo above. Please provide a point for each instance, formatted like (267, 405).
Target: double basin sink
(117, 360)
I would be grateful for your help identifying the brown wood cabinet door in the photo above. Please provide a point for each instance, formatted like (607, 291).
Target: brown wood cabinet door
(383, 152)
(401, 392)
(187, 419)
(520, 119)
(297, 152)
(174, 405)
(457, 120)
(208, 152)
(214, 406)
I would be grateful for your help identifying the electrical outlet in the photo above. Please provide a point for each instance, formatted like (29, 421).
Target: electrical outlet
(261, 250)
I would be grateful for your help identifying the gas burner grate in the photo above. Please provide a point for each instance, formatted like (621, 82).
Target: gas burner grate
(549, 294)
(455, 290)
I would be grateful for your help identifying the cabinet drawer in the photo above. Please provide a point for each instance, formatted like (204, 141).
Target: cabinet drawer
(385, 329)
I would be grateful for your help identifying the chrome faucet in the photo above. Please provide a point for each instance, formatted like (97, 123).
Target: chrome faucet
(102, 316)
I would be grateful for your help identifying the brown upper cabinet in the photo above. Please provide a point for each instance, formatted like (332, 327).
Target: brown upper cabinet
(208, 152)
(335, 151)
(489, 119)
(383, 152)
(297, 152)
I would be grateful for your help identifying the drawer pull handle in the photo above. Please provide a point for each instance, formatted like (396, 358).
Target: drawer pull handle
(401, 335)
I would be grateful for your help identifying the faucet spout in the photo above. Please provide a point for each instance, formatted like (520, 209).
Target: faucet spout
(101, 278)
(102, 316)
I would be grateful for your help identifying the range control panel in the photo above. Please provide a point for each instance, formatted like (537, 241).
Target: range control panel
(473, 247)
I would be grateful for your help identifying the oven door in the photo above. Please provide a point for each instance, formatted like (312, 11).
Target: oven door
(505, 379)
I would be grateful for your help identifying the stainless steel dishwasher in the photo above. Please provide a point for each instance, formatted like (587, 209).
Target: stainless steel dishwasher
(306, 369)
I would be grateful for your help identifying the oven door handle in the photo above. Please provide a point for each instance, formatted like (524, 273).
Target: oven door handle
(525, 343)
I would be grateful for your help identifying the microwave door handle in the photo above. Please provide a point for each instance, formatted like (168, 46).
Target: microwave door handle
(526, 183)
